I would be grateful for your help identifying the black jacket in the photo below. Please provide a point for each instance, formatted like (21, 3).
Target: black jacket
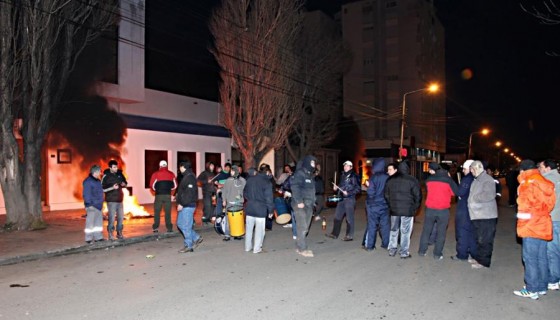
(258, 192)
(302, 183)
(187, 192)
(109, 180)
(402, 192)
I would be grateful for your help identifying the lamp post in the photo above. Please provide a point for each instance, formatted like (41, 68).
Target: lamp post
(482, 132)
(432, 88)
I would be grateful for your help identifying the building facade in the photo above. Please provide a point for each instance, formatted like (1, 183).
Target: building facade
(398, 48)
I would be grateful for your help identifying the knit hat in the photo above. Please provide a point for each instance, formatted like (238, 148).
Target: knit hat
(527, 164)
(434, 166)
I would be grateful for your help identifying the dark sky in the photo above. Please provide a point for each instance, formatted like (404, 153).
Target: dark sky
(513, 89)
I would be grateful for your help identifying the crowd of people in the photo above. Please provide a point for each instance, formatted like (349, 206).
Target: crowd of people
(393, 198)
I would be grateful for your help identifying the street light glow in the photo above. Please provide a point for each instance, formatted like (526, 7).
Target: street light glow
(433, 88)
(506, 150)
(498, 144)
(485, 131)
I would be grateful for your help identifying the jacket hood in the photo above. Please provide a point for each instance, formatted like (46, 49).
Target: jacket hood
(403, 168)
(306, 163)
(378, 165)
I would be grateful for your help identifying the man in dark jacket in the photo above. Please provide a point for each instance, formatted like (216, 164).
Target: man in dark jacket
(440, 189)
(163, 183)
(93, 201)
(464, 229)
(206, 182)
(348, 188)
(303, 199)
(376, 207)
(403, 194)
(187, 195)
(319, 192)
(258, 192)
(113, 182)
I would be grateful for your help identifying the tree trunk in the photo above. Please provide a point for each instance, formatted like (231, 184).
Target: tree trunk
(32, 185)
(10, 181)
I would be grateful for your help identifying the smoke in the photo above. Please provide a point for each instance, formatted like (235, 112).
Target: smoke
(85, 123)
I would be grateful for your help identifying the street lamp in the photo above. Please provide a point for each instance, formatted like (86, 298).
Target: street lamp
(432, 88)
(482, 132)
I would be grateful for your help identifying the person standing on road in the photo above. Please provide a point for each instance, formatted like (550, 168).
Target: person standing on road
(187, 196)
(512, 184)
(303, 199)
(319, 192)
(440, 189)
(535, 201)
(163, 182)
(549, 169)
(376, 207)
(464, 229)
(404, 196)
(113, 182)
(206, 182)
(483, 211)
(349, 187)
(258, 192)
(232, 195)
(93, 201)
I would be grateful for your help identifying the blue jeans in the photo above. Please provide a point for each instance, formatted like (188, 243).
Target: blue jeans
(553, 252)
(115, 208)
(536, 264)
(405, 225)
(185, 224)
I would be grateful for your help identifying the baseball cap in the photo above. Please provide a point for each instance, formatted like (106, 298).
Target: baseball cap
(347, 162)
(163, 163)
(467, 164)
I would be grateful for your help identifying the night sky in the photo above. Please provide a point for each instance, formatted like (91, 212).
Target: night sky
(512, 91)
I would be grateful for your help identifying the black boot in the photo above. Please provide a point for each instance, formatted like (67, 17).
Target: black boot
(119, 235)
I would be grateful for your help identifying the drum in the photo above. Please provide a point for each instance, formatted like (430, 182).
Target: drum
(333, 200)
(283, 215)
(236, 221)
(220, 225)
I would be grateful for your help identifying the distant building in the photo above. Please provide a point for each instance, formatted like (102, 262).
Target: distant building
(397, 47)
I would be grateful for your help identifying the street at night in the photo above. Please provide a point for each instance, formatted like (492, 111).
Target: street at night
(220, 280)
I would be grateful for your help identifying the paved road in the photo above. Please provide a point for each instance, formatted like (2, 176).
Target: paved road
(220, 280)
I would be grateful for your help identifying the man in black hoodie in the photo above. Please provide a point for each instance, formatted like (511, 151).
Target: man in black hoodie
(303, 199)
(206, 182)
(113, 182)
(187, 195)
(258, 192)
(403, 194)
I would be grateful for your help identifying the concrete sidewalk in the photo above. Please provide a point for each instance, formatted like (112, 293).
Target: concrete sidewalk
(65, 235)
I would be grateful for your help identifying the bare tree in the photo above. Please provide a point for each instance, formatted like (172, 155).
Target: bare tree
(548, 13)
(254, 43)
(323, 59)
(39, 44)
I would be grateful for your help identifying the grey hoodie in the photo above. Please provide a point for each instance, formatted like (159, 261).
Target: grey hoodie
(554, 177)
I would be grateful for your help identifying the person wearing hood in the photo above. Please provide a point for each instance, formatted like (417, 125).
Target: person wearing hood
(377, 209)
(303, 199)
(232, 194)
(187, 196)
(464, 229)
(348, 188)
(163, 183)
(206, 182)
(549, 169)
(440, 189)
(404, 196)
(535, 201)
(113, 182)
(258, 192)
(483, 211)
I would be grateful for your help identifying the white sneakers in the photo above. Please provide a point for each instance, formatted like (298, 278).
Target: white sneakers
(554, 286)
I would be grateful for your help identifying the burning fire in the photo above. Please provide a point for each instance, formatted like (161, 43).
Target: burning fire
(131, 207)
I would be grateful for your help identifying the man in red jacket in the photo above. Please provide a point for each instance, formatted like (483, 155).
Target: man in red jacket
(440, 189)
(163, 182)
(535, 200)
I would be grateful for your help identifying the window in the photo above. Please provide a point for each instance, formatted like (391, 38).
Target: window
(369, 87)
(151, 163)
(367, 34)
(216, 158)
(183, 156)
